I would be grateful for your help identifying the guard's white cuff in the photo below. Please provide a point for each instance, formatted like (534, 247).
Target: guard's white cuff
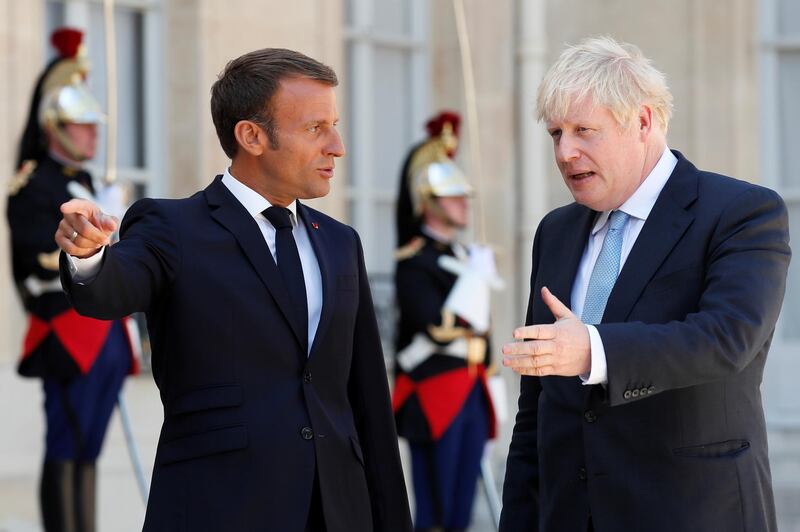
(84, 270)
(599, 370)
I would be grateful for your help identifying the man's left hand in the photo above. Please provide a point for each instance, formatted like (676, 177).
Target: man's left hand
(561, 348)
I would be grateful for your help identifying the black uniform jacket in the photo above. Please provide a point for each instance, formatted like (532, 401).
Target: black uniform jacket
(248, 416)
(428, 398)
(676, 440)
(59, 342)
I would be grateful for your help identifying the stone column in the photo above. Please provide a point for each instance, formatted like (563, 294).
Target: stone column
(21, 59)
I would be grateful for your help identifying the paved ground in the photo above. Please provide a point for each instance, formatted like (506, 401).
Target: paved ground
(120, 508)
(119, 505)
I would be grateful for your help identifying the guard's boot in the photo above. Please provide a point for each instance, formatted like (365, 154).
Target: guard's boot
(85, 481)
(57, 496)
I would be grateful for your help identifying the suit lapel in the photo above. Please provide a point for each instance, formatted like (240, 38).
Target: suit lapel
(229, 213)
(565, 255)
(666, 224)
(319, 235)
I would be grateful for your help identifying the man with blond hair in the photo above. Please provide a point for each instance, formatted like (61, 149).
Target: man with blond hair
(654, 298)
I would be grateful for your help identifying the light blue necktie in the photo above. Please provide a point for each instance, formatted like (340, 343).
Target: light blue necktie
(605, 271)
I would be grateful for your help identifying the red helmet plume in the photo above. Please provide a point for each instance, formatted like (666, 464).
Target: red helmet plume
(67, 41)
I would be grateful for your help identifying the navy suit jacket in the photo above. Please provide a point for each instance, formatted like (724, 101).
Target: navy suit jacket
(676, 440)
(249, 418)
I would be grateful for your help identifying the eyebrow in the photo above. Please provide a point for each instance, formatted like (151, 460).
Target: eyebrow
(320, 121)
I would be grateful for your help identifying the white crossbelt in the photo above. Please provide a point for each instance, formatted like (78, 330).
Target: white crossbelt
(422, 347)
(37, 287)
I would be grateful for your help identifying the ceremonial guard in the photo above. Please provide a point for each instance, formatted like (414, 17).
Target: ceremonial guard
(82, 361)
(441, 400)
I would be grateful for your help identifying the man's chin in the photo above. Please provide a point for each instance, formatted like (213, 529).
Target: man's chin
(458, 226)
(318, 192)
(588, 200)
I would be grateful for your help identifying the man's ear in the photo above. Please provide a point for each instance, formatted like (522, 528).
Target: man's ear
(645, 121)
(250, 137)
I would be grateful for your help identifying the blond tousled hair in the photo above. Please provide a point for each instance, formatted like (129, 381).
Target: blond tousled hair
(612, 74)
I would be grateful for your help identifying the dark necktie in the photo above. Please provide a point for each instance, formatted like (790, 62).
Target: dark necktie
(288, 259)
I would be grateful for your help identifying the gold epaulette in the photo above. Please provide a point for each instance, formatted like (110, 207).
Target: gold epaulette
(22, 177)
(409, 250)
(49, 261)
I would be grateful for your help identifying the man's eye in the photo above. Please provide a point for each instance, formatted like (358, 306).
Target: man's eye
(555, 133)
(313, 129)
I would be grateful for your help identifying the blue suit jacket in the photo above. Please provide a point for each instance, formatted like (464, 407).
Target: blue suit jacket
(676, 441)
(248, 417)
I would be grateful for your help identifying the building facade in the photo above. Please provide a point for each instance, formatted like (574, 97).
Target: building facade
(734, 69)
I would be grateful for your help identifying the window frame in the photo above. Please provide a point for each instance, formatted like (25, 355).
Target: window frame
(365, 40)
(151, 176)
(782, 410)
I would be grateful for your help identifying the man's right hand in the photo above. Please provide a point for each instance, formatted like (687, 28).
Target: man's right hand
(84, 229)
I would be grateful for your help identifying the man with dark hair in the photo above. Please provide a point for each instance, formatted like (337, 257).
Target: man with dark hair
(251, 80)
(265, 343)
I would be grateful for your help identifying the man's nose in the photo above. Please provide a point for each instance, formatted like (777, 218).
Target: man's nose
(566, 149)
(335, 146)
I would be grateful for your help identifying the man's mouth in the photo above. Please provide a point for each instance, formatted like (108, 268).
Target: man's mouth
(580, 176)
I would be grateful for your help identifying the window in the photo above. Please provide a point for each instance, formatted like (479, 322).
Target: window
(780, 162)
(140, 141)
(387, 103)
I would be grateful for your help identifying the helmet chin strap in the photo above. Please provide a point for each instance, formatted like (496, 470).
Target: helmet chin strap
(436, 211)
(66, 143)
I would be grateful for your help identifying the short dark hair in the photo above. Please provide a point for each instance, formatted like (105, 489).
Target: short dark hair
(244, 90)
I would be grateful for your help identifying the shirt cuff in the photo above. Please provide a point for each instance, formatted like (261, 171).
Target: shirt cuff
(599, 371)
(84, 270)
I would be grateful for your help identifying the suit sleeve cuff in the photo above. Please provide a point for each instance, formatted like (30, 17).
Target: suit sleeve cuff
(599, 370)
(84, 270)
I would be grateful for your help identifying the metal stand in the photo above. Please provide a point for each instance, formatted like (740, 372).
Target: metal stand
(492, 497)
(133, 449)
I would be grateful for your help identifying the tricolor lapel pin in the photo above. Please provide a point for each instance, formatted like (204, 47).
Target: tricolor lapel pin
(315, 225)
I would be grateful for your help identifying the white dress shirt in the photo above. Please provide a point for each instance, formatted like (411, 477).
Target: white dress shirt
(83, 270)
(638, 207)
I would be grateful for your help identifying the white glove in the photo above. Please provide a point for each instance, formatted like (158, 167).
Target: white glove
(469, 297)
(481, 259)
(113, 199)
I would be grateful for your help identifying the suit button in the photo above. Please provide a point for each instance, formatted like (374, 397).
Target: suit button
(651, 389)
(635, 393)
(307, 433)
(627, 394)
(307, 376)
(643, 392)
(582, 473)
(590, 416)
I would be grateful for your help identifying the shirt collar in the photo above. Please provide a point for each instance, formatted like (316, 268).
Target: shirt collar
(434, 235)
(252, 201)
(644, 198)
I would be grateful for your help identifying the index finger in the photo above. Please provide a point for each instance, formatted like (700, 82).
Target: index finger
(79, 206)
(535, 332)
